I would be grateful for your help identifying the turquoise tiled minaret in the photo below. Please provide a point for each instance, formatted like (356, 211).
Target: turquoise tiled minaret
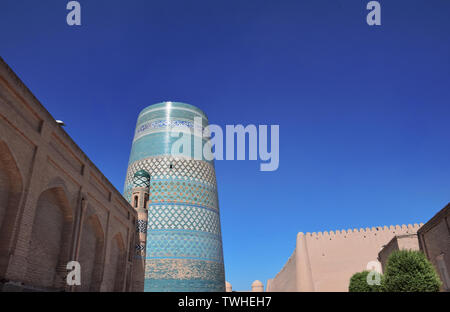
(184, 240)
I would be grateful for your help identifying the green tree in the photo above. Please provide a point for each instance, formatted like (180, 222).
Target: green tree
(358, 283)
(408, 270)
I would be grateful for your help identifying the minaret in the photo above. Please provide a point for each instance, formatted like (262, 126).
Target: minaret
(139, 201)
(184, 240)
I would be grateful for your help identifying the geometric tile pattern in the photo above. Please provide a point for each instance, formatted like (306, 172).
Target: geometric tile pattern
(155, 125)
(183, 249)
(182, 191)
(141, 226)
(195, 275)
(184, 244)
(140, 180)
(172, 168)
(183, 285)
(140, 249)
(183, 217)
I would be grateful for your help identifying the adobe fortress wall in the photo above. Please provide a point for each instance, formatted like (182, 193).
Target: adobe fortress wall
(286, 279)
(325, 261)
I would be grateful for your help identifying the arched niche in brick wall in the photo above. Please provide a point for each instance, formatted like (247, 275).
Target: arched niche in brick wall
(51, 239)
(115, 267)
(91, 253)
(121, 262)
(11, 188)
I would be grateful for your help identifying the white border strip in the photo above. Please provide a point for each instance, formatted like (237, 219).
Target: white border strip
(174, 108)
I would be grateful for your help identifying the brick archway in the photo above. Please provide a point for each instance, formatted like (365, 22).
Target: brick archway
(91, 254)
(120, 268)
(11, 187)
(115, 269)
(50, 240)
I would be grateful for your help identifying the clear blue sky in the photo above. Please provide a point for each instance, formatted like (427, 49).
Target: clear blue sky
(363, 111)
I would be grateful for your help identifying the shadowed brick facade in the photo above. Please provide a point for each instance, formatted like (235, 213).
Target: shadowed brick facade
(399, 242)
(55, 205)
(434, 240)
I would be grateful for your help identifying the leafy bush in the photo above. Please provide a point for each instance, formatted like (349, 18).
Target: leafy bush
(358, 283)
(408, 270)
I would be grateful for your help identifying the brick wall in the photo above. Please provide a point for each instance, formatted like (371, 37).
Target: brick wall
(399, 242)
(434, 239)
(55, 205)
(87, 257)
(46, 240)
(10, 194)
(5, 184)
(115, 267)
